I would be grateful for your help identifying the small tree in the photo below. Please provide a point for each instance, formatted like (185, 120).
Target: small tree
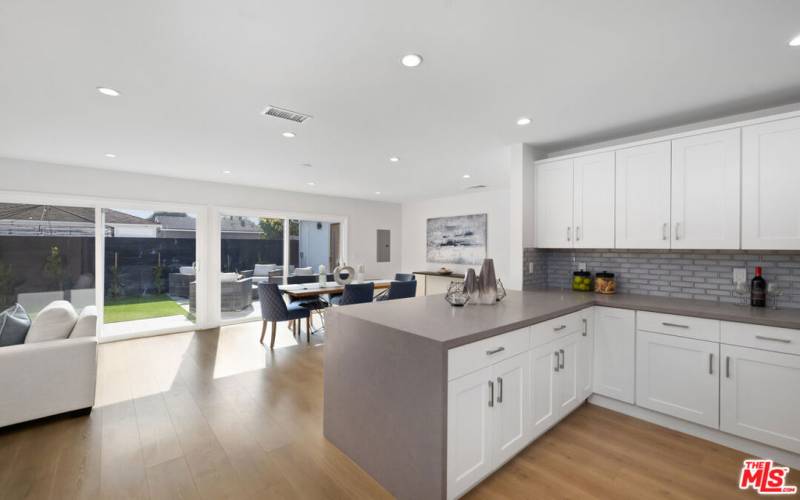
(7, 285)
(115, 278)
(158, 276)
(54, 267)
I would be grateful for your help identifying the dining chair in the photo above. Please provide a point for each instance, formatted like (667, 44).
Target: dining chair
(274, 309)
(355, 293)
(404, 277)
(399, 290)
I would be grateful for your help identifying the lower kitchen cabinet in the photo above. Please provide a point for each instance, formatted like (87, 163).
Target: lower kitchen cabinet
(486, 421)
(678, 376)
(759, 396)
(586, 354)
(614, 353)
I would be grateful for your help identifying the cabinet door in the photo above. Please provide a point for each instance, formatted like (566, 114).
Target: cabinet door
(770, 177)
(594, 201)
(759, 396)
(705, 191)
(509, 430)
(553, 204)
(642, 196)
(678, 376)
(614, 353)
(469, 422)
(542, 388)
(567, 391)
(586, 354)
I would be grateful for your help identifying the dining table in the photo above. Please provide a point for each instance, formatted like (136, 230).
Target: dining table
(314, 290)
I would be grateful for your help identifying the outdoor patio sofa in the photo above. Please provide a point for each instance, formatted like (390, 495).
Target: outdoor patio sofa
(237, 294)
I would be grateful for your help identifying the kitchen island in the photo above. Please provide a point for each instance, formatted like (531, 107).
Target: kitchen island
(393, 369)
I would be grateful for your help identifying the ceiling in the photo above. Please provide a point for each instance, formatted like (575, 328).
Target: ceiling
(195, 75)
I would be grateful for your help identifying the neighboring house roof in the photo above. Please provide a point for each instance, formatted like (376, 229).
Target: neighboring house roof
(54, 213)
(228, 224)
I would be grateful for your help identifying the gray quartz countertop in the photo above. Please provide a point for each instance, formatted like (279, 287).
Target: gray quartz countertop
(433, 318)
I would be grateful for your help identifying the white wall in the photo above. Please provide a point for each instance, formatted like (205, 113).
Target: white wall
(493, 203)
(314, 244)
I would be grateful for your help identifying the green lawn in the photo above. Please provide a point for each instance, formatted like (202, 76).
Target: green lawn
(133, 308)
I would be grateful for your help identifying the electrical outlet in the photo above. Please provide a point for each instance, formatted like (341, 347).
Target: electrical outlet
(581, 266)
(530, 267)
(739, 274)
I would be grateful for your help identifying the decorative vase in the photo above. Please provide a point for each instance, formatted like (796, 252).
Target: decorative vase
(456, 295)
(501, 291)
(487, 283)
(471, 286)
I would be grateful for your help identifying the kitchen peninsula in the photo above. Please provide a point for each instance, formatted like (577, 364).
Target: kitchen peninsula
(430, 399)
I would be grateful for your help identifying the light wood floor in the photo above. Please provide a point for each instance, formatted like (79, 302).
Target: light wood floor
(213, 415)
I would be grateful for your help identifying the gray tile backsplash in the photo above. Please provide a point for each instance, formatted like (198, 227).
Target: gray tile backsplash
(695, 274)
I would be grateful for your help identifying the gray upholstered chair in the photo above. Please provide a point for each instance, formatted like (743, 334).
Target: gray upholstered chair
(399, 290)
(274, 309)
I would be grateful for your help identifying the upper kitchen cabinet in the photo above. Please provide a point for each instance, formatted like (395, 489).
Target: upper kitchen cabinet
(553, 204)
(593, 192)
(643, 196)
(705, 191)
(770, 181)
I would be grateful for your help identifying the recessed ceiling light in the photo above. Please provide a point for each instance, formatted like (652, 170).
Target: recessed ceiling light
(411, 60)
(795, 42)
(312, 183)
(524, 121)
(377, 192)
(226, 172)
(110, 155)
(394, 159)
(288, 135)
(467, 176)
(108, 91)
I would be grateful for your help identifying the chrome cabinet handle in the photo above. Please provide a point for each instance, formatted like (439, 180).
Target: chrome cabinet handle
(578, 233)
(495, 351)
(561, 366)
(727, 367)
(491, 394)
(664, 231)
(676, 325)
(569, 233)
(677, 230)
(773, 339)
(585, 326)
(559, 328)
(500, 389)
(557, 360)
(711, 363)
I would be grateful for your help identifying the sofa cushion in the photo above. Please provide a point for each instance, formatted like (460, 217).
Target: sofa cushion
(187, 270)
(14, 325)
(228, 277)
(54, 322)
(86, 326)
(263, 269)
(303, 271)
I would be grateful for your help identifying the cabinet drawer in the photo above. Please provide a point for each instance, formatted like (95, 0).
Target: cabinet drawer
(768, 338)
(681, 326)
(552, 329)
(480, 354)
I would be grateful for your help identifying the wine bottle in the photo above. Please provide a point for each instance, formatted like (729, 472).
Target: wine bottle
(758, 290)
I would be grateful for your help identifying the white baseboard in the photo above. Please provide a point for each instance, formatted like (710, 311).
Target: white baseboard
(747, 446)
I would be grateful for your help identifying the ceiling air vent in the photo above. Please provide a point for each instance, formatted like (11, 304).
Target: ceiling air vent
(477, 186)
(286, 114)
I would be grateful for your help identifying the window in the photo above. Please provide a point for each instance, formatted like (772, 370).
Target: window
(46, 254)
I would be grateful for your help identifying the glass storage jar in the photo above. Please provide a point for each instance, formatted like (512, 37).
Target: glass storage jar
(605, 283)
(582, 281)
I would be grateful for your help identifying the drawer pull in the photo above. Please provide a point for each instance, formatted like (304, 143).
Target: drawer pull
(500, 389)
(557, 360)
(676, 325)
(773, 339)
(585, 326)
(727, 367)
(710, 363)
(559, 328)
(495, 351)
(491, 394)
(561, 366)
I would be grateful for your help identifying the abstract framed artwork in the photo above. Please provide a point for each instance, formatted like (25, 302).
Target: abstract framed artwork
(458, 239)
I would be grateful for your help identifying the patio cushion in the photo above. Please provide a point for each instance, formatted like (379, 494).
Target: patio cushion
(14, 325)
(303, 271)
(54, 322)
(263, 269)
(187, 270)
(228, 277)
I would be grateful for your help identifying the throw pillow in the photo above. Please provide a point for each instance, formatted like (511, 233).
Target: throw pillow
(14, 326)
(54, 322)
(86, 326)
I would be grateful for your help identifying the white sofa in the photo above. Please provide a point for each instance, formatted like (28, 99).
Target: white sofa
(43, 378)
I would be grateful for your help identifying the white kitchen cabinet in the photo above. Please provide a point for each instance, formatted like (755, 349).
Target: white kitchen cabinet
(614, 353)
(759, 397)
(469, 426)
(593, 207)
(567, 391)
(643, 196)
(544, 362)
(586, 354)
(509, 426)
(553, 204)
(678, 376)
(705, 191)
(770, 178)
